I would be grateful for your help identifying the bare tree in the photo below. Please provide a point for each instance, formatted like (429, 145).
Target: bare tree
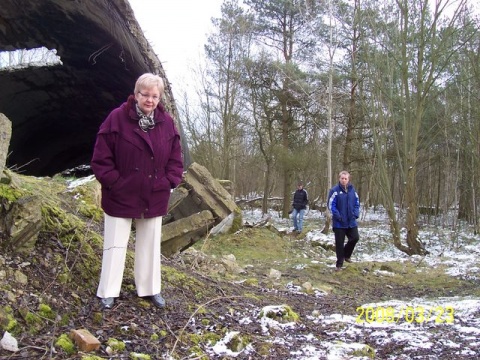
(279, 26)
(226, 50)
(261, 76)
(414, 57)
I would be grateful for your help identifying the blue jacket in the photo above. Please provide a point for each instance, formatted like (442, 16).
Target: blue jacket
(344, 205)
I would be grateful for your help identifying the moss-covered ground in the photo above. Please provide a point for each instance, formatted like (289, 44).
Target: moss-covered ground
(62, 273)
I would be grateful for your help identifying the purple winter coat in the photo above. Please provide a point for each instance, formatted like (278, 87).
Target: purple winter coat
(137, 169)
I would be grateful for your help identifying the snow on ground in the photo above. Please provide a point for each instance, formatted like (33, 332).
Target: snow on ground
(458, 250)
(72, 184)
(429, 324)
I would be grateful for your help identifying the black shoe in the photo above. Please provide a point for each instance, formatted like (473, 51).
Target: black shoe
(158, 300)
(107, 303)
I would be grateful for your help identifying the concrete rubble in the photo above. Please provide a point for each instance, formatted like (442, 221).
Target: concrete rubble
(198, 205)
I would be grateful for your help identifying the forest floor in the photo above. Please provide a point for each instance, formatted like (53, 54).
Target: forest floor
(281, 298)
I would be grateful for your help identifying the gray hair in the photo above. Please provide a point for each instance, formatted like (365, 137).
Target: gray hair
(149, 80)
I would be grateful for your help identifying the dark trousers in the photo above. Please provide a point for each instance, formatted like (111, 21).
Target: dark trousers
(345, 251)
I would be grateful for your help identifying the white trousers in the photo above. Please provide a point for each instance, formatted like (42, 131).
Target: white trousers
(147, 256)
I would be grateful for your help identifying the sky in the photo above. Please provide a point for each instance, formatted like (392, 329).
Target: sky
(177, 31)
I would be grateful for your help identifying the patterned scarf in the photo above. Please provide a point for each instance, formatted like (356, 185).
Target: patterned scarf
(146, 122)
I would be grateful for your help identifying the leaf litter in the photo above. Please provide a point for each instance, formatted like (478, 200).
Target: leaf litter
(418, 327)
(385, 305)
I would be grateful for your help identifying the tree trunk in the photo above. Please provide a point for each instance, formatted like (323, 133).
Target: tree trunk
(328, 215)
(414, 245)
(266, 187)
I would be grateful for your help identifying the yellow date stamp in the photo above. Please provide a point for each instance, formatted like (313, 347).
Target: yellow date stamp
(409, 314)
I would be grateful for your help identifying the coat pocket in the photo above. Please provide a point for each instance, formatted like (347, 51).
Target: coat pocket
(161, 183)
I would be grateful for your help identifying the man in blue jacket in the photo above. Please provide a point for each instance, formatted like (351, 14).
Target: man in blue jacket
(344, 205)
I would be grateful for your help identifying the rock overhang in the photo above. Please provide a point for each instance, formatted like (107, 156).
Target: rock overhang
(56, 109)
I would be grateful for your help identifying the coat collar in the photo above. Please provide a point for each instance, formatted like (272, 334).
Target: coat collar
(132, 114)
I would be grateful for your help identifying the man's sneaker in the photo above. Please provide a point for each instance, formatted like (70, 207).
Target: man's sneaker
(158, 300)
(348, 260)
(107, 303)
(338, 268)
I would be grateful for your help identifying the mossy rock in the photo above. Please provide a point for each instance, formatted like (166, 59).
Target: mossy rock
(366, 351)
(116, 345)
(282, 313)
(65, 343)
(137, 356)
(46, 311)
(7, 320)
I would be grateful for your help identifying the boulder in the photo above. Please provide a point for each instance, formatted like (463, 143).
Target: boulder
(197, 205)
(182, 233)
(204, 192)
(5, 135)
(20, 223)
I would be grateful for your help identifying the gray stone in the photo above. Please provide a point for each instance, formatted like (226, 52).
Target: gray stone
(11, 296)
(204, 193)
(274, 274)
(183, 233)
(307, 286)
(199, 204)
(21, 222)
(8, 342)
(5, 135)
(231, 265)
(20, 277)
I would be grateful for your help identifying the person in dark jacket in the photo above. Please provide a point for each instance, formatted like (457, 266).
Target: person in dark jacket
(299, 205)
(344, 205)
(137, 159)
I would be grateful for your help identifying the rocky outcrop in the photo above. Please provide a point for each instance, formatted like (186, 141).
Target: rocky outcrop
(5, 135)
(198, 205)
(56, 110)
(20, 223)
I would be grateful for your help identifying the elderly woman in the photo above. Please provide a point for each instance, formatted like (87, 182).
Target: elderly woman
(137, 159)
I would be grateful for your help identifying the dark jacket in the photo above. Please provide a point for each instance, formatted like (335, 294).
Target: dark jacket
(344, 205)
(137, 169)
(300, 199)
